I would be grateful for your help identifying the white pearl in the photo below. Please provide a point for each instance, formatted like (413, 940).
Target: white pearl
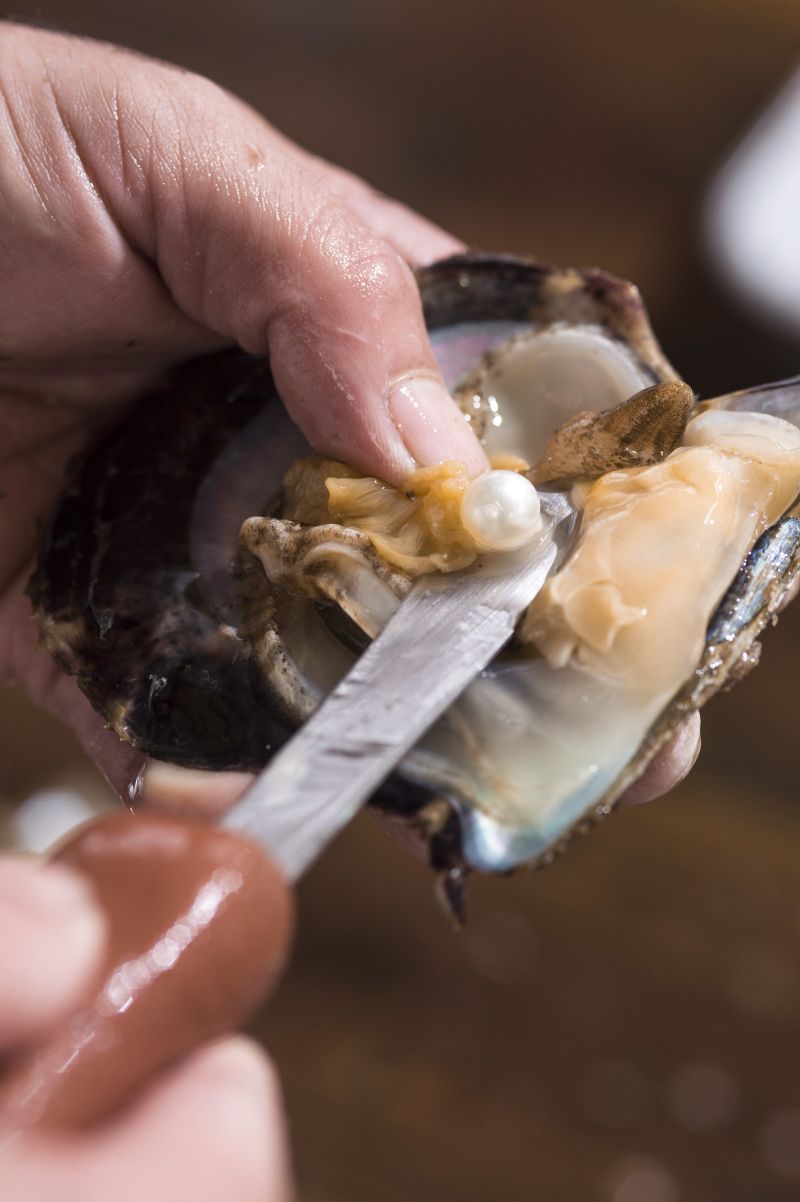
(501, 511)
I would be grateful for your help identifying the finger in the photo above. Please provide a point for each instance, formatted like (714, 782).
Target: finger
(82, 313)
(199, 924)
(190, 793)
(418, 240)
(334, 305)
(669, 766)
(255, 245)
(52, 936)
(210, 1129)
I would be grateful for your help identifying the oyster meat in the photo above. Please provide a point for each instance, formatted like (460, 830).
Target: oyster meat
(207, 649)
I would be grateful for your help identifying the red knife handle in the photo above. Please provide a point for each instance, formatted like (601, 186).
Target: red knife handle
(199, 922)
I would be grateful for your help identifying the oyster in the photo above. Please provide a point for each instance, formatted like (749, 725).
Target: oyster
(208, 657)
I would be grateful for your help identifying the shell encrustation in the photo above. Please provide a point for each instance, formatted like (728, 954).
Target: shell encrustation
(208, 600)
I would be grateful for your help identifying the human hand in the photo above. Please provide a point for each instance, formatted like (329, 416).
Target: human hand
(52, 939)
(146, 216)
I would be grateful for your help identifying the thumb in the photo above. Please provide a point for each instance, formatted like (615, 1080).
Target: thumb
(251, 241)
(298, 275)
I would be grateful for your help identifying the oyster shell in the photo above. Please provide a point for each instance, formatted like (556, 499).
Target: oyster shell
(205, 664)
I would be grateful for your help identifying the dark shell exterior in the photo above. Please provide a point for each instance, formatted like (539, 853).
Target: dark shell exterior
(121, 604)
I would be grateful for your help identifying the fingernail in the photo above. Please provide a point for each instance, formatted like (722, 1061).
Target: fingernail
(237, 1061)
(191, 791)
(43, 891)
(431, 425)
(53, 895)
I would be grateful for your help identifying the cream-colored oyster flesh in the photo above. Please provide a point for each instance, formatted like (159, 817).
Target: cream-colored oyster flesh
(553, 726)
(623, 625)
(647, 533)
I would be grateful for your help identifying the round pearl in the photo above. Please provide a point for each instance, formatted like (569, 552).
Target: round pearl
(501, 511)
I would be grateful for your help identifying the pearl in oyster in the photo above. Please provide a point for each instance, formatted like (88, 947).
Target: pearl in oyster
(501, 511)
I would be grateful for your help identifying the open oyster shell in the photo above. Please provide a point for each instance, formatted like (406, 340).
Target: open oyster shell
(208, 657)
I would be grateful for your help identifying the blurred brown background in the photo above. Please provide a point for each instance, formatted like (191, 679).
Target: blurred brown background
(623, 1027)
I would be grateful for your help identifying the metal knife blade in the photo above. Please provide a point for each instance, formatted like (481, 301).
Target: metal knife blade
(445, 632)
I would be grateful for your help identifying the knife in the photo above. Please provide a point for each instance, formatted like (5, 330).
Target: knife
(444, 633)
(195, 913)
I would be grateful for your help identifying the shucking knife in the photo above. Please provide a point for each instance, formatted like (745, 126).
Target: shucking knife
(195, 912)
(444, 633)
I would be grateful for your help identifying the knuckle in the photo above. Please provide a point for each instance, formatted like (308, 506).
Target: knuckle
(380, 273)
(198, 98)
(355, 259)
